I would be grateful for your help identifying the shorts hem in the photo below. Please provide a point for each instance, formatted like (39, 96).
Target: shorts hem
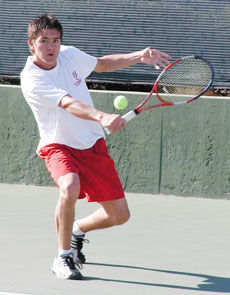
(97, 200)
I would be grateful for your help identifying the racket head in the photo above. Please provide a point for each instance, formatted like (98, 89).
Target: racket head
(184, 80)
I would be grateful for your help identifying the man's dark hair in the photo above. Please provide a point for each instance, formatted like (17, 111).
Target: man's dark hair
(41, 23)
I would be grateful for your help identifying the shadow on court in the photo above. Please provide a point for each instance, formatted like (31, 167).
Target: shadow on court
(209, 283)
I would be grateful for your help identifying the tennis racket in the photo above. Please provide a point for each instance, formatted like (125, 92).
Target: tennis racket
(183, 81)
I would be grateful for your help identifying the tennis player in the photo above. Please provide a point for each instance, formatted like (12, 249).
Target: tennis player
(72, 140)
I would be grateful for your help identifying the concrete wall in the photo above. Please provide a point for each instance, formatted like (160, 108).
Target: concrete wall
(175, 150)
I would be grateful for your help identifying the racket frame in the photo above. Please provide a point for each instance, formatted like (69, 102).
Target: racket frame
(139, 109)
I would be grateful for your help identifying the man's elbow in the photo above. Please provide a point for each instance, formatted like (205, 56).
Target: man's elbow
(100, 67)
(65, 102)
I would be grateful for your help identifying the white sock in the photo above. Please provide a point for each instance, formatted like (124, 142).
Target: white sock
(76, 229)
(64, 252)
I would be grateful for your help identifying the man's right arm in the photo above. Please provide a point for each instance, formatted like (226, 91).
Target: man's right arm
(113, 122)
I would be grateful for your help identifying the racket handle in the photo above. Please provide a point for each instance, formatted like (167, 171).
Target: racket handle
(129, 116)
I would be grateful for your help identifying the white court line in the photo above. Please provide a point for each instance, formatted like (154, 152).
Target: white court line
(6, 293)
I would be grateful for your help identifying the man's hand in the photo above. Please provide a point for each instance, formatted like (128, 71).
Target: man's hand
(113, 122)
(155, 57)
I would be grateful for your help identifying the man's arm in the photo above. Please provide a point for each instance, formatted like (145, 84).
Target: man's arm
(112, 121)
(148, 56)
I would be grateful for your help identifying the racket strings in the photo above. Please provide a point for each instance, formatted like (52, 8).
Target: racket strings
(185, 80)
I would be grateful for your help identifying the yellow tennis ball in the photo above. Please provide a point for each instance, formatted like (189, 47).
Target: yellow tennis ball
(120, 102)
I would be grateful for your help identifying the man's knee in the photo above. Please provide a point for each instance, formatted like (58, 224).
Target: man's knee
(122, 217)
(117, 211)
(69, 186)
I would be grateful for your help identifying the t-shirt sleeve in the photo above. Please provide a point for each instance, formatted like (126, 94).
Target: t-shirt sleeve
(43, 93)
(85, 63)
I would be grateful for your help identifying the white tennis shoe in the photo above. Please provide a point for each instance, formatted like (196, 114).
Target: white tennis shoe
(65, 268)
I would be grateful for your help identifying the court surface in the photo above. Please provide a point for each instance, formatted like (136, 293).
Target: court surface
(170, 246)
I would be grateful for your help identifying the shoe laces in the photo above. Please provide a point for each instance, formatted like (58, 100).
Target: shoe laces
(77, 242)
(68, 260)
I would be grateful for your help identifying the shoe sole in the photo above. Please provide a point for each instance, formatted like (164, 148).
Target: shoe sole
(71, 277)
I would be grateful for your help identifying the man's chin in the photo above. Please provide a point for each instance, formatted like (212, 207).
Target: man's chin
(51, 62)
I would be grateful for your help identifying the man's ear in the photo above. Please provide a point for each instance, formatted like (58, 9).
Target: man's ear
(31, 46)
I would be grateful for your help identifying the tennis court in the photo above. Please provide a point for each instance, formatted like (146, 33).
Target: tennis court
(171, 246)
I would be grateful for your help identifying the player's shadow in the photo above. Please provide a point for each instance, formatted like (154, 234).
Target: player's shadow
(209, 283)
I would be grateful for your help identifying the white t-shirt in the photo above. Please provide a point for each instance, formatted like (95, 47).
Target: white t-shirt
(43, 90)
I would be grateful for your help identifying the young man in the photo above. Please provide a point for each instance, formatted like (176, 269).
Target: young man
(71, 134)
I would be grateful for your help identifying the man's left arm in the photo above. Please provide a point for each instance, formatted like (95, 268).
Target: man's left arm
(148, 56)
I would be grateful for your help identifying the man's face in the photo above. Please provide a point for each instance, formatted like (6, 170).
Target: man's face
(46, 48)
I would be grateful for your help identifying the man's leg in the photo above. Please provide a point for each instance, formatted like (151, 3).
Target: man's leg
(69, 185)
(111, 213)
(63, 265)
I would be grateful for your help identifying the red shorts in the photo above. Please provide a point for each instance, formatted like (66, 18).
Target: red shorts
(98, 176)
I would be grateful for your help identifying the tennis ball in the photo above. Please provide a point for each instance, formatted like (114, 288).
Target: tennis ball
(120, 102)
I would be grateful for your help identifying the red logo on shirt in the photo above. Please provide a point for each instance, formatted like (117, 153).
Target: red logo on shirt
(78, 80)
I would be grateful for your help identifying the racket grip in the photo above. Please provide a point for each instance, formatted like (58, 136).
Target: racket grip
(129, 116)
